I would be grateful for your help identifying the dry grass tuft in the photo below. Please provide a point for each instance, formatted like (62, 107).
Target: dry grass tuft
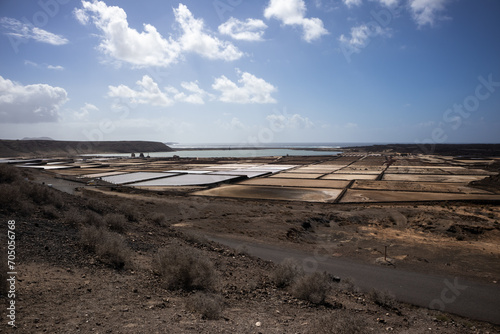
(109, 246)
(313, 288)
(209, 305)
(185, 268)
(287, 273)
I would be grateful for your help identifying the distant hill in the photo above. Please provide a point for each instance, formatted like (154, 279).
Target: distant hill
(37, 138)
(43, 148)
(465, 150)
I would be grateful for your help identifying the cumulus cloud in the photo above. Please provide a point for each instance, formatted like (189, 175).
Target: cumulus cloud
(250, 90)
(286, 121)
(149, 47)
(23, 31)
(30, 103)
(195, 94)
(249, 30)
(195, 39)
(148, 92)
(292, 12)
(85, 111)
(361, 35)
(426, 11)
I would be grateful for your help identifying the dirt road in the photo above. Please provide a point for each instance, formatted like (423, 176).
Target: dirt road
(449, 294)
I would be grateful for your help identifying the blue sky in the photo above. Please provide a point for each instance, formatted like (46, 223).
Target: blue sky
(239, 71)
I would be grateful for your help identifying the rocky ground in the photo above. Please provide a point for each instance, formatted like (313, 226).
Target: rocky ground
(66, 286)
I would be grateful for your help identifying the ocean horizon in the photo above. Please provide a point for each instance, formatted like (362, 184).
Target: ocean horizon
(298, 145)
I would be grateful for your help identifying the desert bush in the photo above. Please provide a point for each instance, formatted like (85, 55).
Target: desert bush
(382, 298)
(109, 246)
(158, 219)
(313, 288)
(185, 268)
(209, 305)
(42, 194)
(287, 273)
(129, 211)
(10, 197)
(116, 222)
(97, 206)
(195, 239)
(340, 323)
(93, 218)
(50, 212)
(9, 174)
(74, 216)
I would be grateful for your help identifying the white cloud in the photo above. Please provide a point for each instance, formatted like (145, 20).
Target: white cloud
(49, 67)
(24, 31)
(388, 3)
(196, 95)
(30, 103)
(56, 67)
(249, 30)
(195, 39)
(292, 12)
(326, 5)
(85, 111)
(350, 3)
(148, 92)
(361, 35)
(251, 89)
(233, 124)
(149, 47)
(30, 63)
(425, 11)
(286, 121)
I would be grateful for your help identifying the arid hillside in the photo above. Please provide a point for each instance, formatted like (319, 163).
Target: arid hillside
(31, 148)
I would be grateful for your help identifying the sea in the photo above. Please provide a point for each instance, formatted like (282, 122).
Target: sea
(238, 150)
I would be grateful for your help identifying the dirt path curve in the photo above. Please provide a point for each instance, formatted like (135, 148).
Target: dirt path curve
(450, 294)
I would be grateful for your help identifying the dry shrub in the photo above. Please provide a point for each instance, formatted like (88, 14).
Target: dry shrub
(50, 212)
(97, 206)
(313, 288)
(129, 211)
(185, 268)
(9, 174)
(287, 273)
(116, 222)
(42, 194)
(209, 305)
(109, 246)
(74, 216)
(158, 219)
(382, 298)
(92, 218)
(340, 323)
(10, 197)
